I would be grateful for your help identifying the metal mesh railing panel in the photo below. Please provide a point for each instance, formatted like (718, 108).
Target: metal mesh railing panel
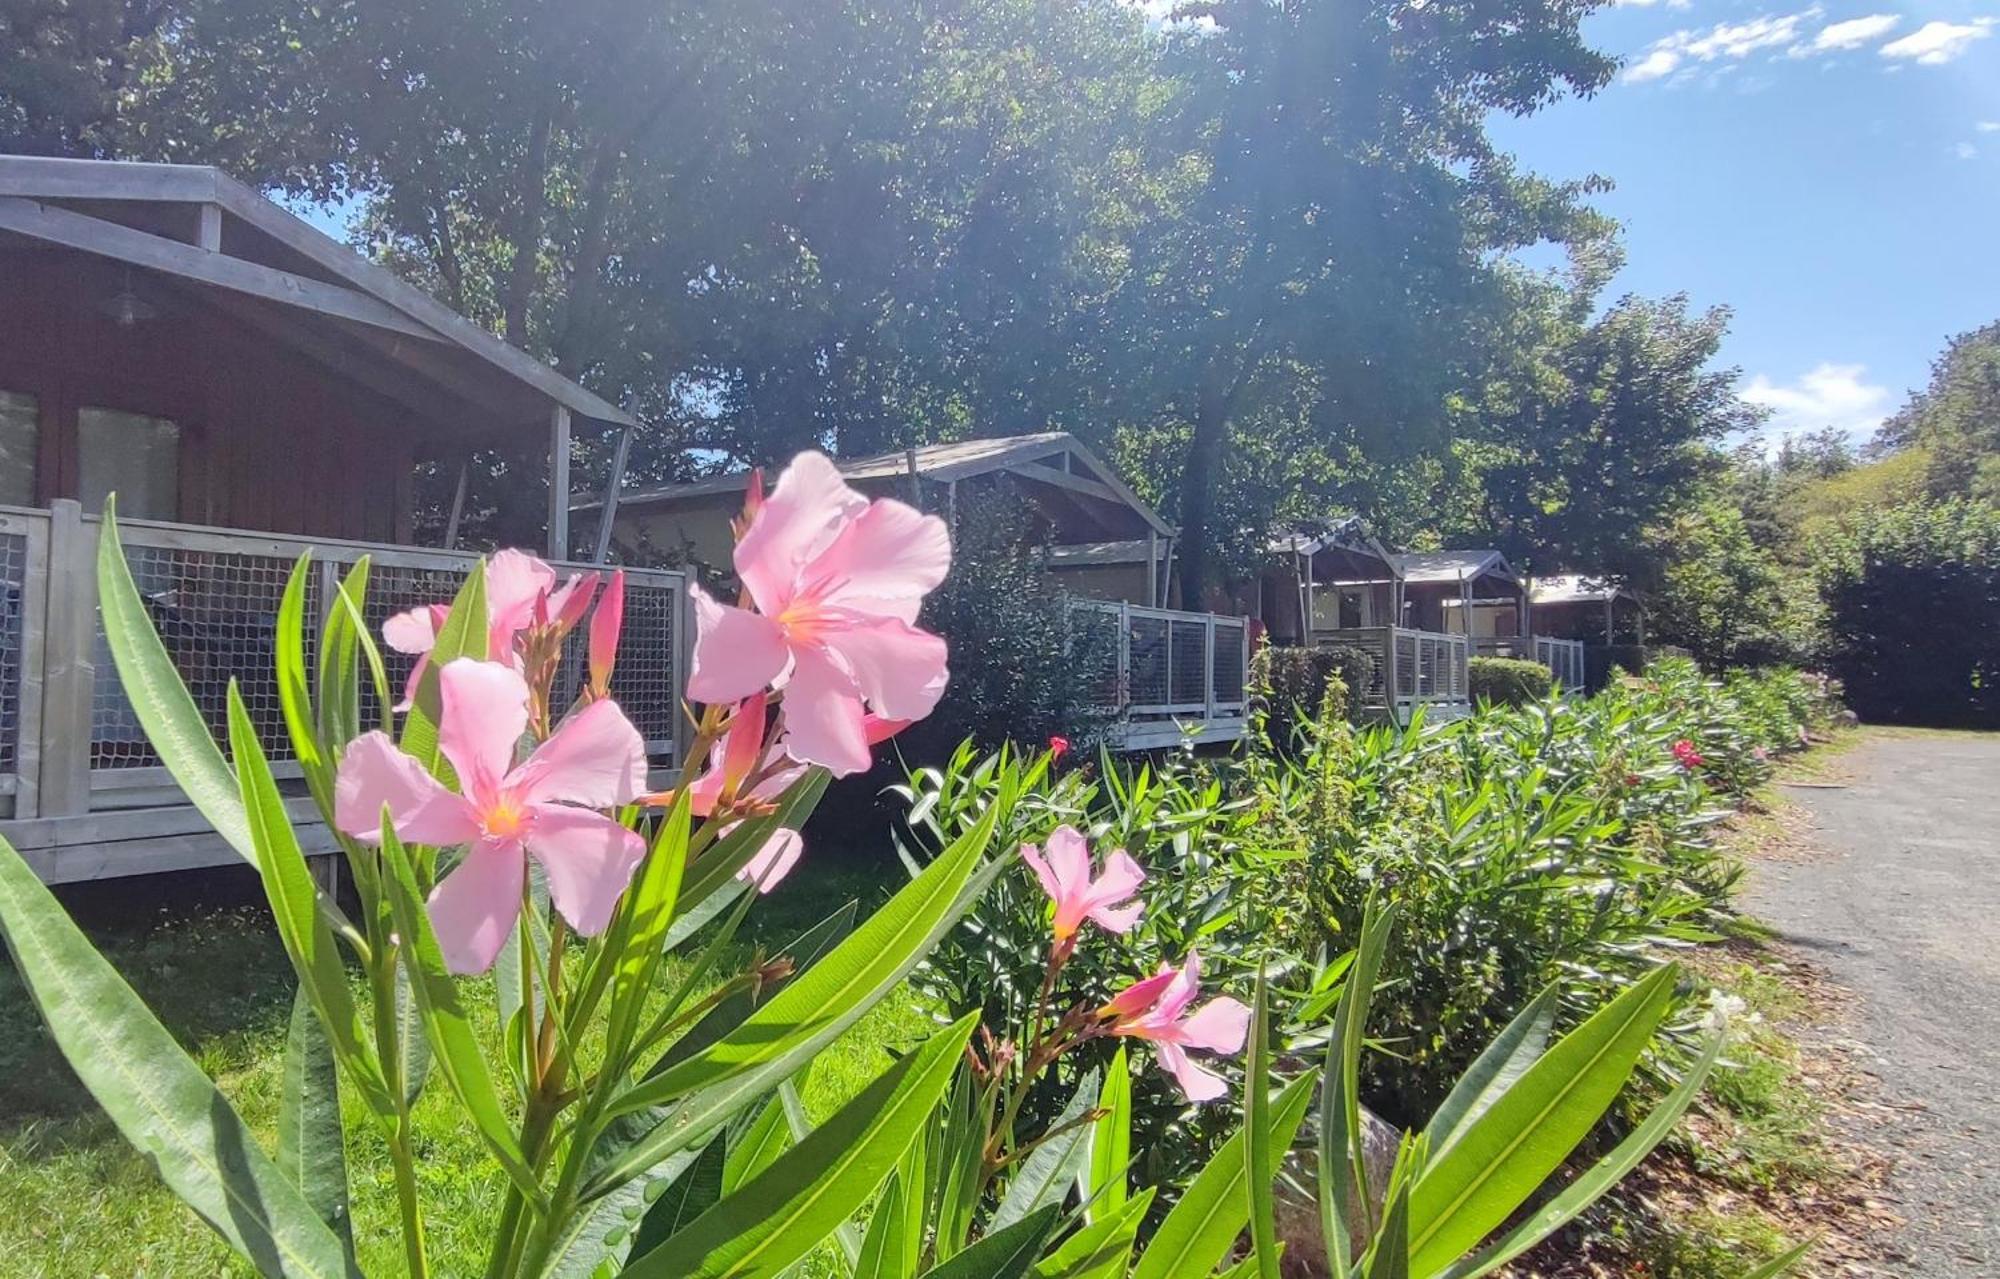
(642, 682)
(217, 616)
(1229, 662)
(1188, 653)
(1094, 639)
(1147, 672)
(13, 637)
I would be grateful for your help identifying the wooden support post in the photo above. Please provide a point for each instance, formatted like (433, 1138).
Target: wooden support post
(608, 513)
(559, 483)
(69, 662)
(457, 508)
(1152, 568)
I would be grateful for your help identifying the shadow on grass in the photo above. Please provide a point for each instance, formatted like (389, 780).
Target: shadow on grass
(199, 949)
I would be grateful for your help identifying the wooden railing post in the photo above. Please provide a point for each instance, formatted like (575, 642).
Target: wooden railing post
(69, 668)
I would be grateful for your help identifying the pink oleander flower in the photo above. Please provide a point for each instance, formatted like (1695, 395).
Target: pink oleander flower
(837, 581)
(1759, 754)
(504, 813)
(1058, 747)
(1151, 1010)
(521, 592)
(605, 625)
(1686, 755)
(732, 780)
(1065, 876)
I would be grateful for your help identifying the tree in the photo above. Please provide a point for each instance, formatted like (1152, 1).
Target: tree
(1336, 245)
(1612, 428)
(1722, 596)
(1912, 597)
(1956, 418)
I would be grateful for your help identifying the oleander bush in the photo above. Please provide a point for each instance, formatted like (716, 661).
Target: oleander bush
(1507, 681)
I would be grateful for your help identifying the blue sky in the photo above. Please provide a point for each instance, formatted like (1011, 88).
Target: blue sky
(1831, 171)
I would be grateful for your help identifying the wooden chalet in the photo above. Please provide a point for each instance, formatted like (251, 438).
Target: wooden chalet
(250, 389)
(1180, 675)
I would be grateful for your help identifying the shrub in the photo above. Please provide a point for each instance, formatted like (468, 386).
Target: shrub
(1507, 681)
(1024, 665)
(1912, 601)
(1291, 684)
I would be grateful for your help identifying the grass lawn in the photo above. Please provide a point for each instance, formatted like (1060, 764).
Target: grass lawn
(80, 1204)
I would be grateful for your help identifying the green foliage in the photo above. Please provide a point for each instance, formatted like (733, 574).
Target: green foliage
(1292, 684)
(1954, 422)
(1520, 846)
(1912, 598)
(1723, 596)
(1506, 681)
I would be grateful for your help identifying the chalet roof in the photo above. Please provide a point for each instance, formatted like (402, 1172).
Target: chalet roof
(1054, 458)
(1348, 533)
(1578, 588)
(1453, 566)
(195, 229)
(1087, 554)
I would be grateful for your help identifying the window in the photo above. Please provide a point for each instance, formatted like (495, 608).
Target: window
(135, 456)
(20, 440)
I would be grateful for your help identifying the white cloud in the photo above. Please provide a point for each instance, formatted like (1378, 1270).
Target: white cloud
(1936, 43)
(1988, 126)
(1836, 395)
(1725, 43)
(1647, 4)
(1658, 63)
(1741, 39)
(1965, 151)
(1853, 33)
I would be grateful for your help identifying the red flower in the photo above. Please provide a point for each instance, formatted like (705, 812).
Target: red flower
(1685, 753)
(1058, 747)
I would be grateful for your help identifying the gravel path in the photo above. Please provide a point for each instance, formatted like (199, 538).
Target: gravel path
(1903, 909)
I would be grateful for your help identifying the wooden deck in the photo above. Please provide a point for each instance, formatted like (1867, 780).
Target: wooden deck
(82, 795)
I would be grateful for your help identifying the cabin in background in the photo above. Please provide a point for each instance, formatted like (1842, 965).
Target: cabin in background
(1180, 675)
(1595, 610)
(250, 389)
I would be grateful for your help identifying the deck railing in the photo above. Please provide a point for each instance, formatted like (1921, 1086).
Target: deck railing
(1563, 657)
(70, 744)
(1409, 669)
(1171, 674)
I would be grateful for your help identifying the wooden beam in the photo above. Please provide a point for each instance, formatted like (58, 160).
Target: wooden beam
(1063, 479)
(457, 507)
(42, 178)
(329, 254)
(608, 513)
(157, 253)
(559, 482)
(208, 227)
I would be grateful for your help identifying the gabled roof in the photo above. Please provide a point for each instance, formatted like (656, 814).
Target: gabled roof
(1454, 566)
(204, 230)
(1346, 533)
(1578, 588)
(1054, 458)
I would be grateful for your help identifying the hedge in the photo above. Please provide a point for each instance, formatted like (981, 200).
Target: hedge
(1507, 681)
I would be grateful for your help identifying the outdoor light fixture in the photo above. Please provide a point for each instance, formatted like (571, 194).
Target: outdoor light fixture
(126, 307)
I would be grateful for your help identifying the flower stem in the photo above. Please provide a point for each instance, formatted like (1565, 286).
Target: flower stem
(404, 1159)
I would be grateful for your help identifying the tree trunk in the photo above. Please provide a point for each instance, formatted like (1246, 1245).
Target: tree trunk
(586, 281)
(528, 231)
(1195, 548)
